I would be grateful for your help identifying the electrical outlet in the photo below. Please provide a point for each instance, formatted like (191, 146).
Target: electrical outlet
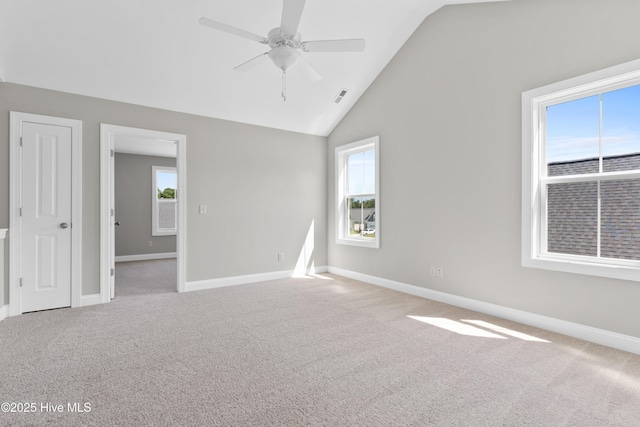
(432, 270)
(280, 256)
(440, 272)
(203, 209)
(150, 243)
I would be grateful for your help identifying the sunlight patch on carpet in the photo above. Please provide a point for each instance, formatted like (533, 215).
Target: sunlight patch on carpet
(505, 331)
(478, 328)
(457, 327)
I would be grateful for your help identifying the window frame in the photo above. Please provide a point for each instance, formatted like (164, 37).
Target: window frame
(155, 226)
(534, 179)
(341, 155)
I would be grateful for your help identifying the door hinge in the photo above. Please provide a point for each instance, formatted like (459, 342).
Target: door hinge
(20, 141)
(113, 153)
(20, 211)
(113, 272)
(21, 282)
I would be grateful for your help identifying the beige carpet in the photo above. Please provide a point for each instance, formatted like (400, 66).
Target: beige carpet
(146, 277)
(318, 351)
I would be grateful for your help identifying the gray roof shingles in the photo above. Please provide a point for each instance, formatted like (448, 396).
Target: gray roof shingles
(572, 210)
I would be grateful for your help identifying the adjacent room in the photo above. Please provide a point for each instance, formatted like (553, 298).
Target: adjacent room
(290, 212)
(145, 227)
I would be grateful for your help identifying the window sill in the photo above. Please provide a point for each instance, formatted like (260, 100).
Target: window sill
(164, 233)
(584, 267)
(373, 243)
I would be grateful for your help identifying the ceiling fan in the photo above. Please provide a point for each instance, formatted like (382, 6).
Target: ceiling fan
(286, 43)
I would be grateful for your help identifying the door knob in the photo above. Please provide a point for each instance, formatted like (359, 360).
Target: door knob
(116, 223)
(64, 225)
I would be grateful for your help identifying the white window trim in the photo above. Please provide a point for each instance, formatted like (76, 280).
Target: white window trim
(155, 230)
(342, 236)
(534, 103)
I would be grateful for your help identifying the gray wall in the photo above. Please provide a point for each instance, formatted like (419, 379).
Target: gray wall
(133, 202)
(447, 109)
(263, 187)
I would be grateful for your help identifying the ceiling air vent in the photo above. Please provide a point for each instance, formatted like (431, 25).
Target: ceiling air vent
(340, 95)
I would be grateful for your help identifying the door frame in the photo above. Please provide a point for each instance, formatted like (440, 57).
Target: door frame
(16, 120)
(108, 135)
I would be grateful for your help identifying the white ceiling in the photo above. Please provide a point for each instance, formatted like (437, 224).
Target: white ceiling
(154, 53)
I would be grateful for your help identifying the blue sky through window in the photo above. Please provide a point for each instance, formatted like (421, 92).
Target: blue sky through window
(573, 128)
(362, 172)
(167, 180)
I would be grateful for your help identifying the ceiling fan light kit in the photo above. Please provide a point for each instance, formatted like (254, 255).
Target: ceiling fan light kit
(286, 43)
(284, 57)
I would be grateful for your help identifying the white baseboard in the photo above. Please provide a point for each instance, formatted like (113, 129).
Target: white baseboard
(200, 285)
(576, 330)
(145, 257)
(4, 311)
(93, 299)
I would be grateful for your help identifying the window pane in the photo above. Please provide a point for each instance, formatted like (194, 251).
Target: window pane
(369, 172)
(573, 137)
(621, 129)
(362, 216)
(361, 172)
(355, 163)
(620, 219)
(572, 218)
(167, 182)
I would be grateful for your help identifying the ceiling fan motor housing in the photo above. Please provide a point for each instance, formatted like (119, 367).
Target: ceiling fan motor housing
(284, 52)
(277, 38)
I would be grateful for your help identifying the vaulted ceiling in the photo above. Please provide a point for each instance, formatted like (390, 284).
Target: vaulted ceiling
(155, 53)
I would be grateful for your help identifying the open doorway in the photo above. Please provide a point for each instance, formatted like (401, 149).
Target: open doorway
(145, 203)
(152, 235)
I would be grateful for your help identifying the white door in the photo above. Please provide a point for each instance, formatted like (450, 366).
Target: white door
(45, 221)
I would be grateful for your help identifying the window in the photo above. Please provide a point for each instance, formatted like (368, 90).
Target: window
(164, 202)
(581, 174)
(358, 194)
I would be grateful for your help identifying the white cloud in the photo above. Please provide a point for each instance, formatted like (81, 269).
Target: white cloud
(571, 148)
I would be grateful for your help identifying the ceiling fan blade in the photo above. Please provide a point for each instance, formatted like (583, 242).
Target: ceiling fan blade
(252, 62)
(308, 70)
(291, 14)
(345, 45)
(232, 30)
